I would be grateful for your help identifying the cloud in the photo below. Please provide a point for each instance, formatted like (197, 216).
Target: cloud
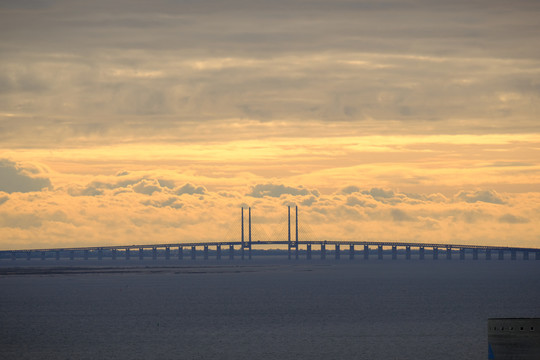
(512, 219)
(171, 202)
(354, 201)
(400, 215)
(3, 199)
(487, 196)
(379, 193)
(309, 201)
(234, 61)
(272, 190)
(166, 183)
(20, 220)
(438, 198)
(147, 187)
(350, 189)
(89, 190)
(18, 178)
(191, 190)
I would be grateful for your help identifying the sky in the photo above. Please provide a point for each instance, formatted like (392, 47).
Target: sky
(150, 122)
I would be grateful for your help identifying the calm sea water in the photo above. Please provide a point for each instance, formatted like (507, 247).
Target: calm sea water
(262, 310)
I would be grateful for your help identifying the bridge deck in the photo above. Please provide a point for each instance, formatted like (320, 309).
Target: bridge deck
(276, 242)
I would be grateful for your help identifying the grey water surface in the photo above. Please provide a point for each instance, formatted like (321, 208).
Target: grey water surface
(259, 309)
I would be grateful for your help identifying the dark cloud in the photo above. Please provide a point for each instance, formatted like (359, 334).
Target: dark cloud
(437, 198)
(513, 219)
(309, 201)
(400, 215)
(85, 191)
(272, 190)
(379, 193)
(166, 183)
(3, 199)
(354, 201)
(142, 185)
(191, 190)
(16, 178)
(171, 202)
(488, 196)
(21, 220)
(147, 187)
(350, 189)
(386, 196)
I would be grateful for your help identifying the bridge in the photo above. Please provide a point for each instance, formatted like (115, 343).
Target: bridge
(295, 249)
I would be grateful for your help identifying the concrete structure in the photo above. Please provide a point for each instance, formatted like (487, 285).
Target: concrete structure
(514, 338)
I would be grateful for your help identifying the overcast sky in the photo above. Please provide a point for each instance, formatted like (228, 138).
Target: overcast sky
(202, 105)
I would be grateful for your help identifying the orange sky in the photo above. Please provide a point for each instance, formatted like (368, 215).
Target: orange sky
(123, 123)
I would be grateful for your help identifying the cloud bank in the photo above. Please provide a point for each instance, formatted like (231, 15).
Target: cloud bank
(17, 178)
(80, 72)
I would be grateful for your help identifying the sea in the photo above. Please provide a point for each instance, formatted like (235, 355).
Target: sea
(259, 309)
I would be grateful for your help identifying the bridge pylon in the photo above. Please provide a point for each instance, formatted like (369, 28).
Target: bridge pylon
(246, 244)
(292, 244)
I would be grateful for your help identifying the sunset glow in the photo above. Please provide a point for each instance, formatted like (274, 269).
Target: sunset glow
(126, 124)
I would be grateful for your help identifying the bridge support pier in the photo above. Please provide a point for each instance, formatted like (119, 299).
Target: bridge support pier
(13, 255)
(394, 252)
(475, 254)
(448, 253)
(231, 252)
(408, 252)
(85, 256)
(127, 254)
(512, 254)
(366, 252)
(141, 253)
(57, 255)
(488, 254)
(337, 252)
(323, 251)
(43, 255)
(154, 253)
(167, 253)
(421, 253)
(180, 253)
(218, 252)
(525, 255)
(461, 254)
(193, 253)
(435, 253)
(28, 255)
(380, 252)
(100, 254)
(71, 255)
(308, 251)
(291, 247)
(113, 251)
(501, 254)
(351, 252)
(205, 252)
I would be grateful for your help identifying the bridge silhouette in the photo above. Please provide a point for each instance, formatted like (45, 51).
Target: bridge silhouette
(295, 247)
